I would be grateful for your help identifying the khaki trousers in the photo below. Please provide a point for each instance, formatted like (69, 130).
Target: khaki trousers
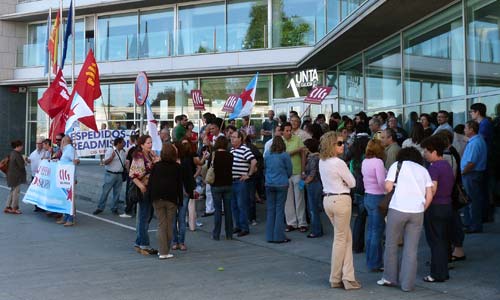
(295, 205)
(13, 199)
(165, 212)
(338, 209)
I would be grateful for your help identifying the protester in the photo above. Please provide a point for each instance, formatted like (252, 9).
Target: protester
(295, 123)
(16, 175)
(412, 195)
(278, 171)
(442, 119)
(374, 124)
(244, 165)
(179, 130)
(459, 139)
(314, 188)
(140, 170)
(36, 156)
(388, 139)
(277, 133)
(129, 204)
(426, 124)
(416, 137)
(254, 181)
(374, 173)
(247, 128)
(222, 190)
(401, 134)
(268, 127)
(321, 121)
(104, 126)
(166, 198)
(165, 135)
(47, 149)
(68, 155)
(192, 136)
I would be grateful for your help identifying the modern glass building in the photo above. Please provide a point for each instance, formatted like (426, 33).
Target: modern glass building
(377, 55)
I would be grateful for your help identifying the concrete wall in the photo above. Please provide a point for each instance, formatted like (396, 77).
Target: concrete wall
(12, 118)
(12, 37)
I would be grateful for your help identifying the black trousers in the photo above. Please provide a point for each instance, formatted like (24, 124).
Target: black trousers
(437, 224)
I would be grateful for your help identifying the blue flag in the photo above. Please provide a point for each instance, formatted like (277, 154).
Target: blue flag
(67, 33)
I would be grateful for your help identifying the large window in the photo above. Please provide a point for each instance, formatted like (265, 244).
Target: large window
(484, 45)
(283, 87)
(35, 51)
(156, 33)
(201, 28)
(383, 75)
(172, 98)
(434, 58)
(246, 24)
(298, 22)
(117, 37)
(351, 85)
(79, 44)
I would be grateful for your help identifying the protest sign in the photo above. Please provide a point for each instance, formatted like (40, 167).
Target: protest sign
(89, 143)
(317, 94)
(197, 100)
(230, 103)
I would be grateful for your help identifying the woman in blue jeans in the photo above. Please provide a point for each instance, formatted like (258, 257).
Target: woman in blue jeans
(222, 188)
(189, 161)
(314, 188)
(278, 168)
(374, 174)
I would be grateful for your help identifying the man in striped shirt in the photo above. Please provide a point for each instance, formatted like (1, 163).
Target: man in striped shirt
(244, 165)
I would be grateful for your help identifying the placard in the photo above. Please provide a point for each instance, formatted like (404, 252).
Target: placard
(197, 100)
(317, 94)
(230, 103)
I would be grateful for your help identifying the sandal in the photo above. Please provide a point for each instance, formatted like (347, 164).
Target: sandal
(7, 210)
(182, 247)
(303, 228)
(16, 211)
(458, 258)
(289, 228)
(175, 247)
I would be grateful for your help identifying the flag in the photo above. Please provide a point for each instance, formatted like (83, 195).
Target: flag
(54, 43)
(56, 97)
(152, 128)
(246, 100)
(47, 56)
(67, 33)
(86, 90)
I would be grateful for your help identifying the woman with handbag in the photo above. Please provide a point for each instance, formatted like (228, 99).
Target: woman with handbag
(169, 198)
(16, 175)
(222, 187)
(412, 195)
(337, 181)
(437, 218)
(374, 173)
(140, 170)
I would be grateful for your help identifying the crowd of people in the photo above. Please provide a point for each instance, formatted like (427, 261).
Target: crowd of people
(429, 176)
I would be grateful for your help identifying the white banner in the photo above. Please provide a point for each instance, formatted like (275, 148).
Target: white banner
(89, 143)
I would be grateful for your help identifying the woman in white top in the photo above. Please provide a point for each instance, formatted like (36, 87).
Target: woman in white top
(405, 218)
(416, 136)
(337, 181)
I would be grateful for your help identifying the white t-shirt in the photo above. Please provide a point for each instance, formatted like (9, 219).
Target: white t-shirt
(35, 158)
(409, 196)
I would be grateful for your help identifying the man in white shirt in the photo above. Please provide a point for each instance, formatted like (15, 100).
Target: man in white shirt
(267, 145)
(295, 121)
(114, 162)
(36, 156)
(442, 119)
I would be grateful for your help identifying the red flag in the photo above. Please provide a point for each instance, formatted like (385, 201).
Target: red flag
(87, 89)
(55, 97)
(58, 125)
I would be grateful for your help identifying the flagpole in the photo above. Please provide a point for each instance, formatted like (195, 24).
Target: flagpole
(73, 33)
(223, 120)
(59, 50)
(49, 31)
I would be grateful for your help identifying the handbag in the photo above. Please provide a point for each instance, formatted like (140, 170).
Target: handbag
(4, 164)
(124, 172)
(134, 193)
(210, 177)
(383, 206)
(459, 197)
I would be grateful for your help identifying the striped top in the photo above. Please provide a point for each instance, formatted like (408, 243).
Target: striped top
(242, 156)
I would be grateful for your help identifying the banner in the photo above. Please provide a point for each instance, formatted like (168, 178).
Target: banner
(317, 94)
(53, 186)
(230, 103)
(90, 143)
(197, 100)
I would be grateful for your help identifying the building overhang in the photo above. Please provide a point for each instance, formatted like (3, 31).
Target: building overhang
(374, 21)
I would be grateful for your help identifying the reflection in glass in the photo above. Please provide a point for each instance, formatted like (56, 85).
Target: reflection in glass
(79, 44)
(156, 33)
(117, 37)
(492, 105)
(282, 87)
(348, 6)
(332, 81)
(172, 98)
(201, 28)
(247, 24)
(35, 51)
(484, 45)
(434, 58)
(333, 13)
(383, 75)
(121, 102)
(457, 110)
(298, 22)
(351, 85)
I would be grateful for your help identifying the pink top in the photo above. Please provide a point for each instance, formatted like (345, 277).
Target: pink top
(374, 173)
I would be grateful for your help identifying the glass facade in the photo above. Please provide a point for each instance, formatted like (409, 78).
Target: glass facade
(246, 24)
(117, 37)
(35, 51)
(156, 33)
(351, 91)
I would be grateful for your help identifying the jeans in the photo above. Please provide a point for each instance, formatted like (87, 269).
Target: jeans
(111, 181)
(239, 205)
(473, 182)
(375, 231)
(144, 215)
(275, 220)
(252, 210)
(314, 191)
(358, 230)
(180, 222)
(222, 196)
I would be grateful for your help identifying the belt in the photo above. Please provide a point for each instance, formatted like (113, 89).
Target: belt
(113, 172)
(336, 194)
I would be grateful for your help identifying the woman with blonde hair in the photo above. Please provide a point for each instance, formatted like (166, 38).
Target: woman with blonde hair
(374, 173)
(337, 181)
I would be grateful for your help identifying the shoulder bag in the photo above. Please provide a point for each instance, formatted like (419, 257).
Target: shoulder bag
(124, 172)
(210, 177)
(383, 206)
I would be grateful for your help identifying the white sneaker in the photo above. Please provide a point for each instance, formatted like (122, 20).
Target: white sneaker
(124, 215)
(166, 256)
(384, 282)
(254, 223)
(199, 224)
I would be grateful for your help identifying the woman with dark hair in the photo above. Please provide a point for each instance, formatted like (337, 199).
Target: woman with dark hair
(416, 137)
(337, 181)
(278, 171)
(140, 170)
(16, 175)
(166, 198)
(314, 188)
(437, 219)
(374, 173)
(412, 195)
(314, 130)
(222, 189)
(191, 135)
(425, 121)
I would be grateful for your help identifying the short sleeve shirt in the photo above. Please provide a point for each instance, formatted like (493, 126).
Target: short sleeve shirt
(242, 156)
(292, 144)
(442, 172)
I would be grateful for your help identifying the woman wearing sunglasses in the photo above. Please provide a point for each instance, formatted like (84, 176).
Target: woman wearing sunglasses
(337, 181)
